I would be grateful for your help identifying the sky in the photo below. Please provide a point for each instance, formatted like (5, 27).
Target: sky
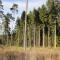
(21, 6)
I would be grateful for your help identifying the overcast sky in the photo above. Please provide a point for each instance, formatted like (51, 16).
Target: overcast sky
(21, 6)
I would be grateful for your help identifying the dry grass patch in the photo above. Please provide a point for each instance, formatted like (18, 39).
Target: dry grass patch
(18, 53)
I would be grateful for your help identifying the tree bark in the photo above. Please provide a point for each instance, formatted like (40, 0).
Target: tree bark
(29, 37)
(34, 36)
(55, 38)
(18, 38)
(7, 39)
(39, 37)
(43, 36)
(48, 37)
(25, 25)
(11, 40)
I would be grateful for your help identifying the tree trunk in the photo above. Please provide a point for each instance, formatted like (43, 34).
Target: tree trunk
(34, 36)
(43, 36)
(11, 40)
(48, 37)
(24, 42)
(55, 37)
(18, 38)
(29, 37)
(3, 38)
(25, 25)
(7, 39)
(39, 38)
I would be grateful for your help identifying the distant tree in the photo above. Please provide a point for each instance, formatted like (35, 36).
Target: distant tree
(23, 16)
(42, 15)
(23, 26)
(53, 11)
(30, 23)
(1, 14)
(14, 10)
(6, 22)
(1, 9)
(18, 30)
(37, 25)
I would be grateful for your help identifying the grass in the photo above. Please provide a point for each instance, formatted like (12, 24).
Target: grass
(18, 53)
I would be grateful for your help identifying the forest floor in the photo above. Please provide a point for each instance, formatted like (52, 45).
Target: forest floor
(18, 53)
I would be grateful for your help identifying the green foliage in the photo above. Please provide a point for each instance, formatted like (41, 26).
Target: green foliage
(46, 16)
(42, 14)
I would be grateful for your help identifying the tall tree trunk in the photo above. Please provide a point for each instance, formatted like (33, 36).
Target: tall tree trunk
(39, 37)
(11, 40)
(48, 37)
(34, 36)
(7, 39)
(43, 36)
(55, 38)
(25, 36)
(4, 38)
(24, 42)
(25, 25)
(29, 37)
(18, 37)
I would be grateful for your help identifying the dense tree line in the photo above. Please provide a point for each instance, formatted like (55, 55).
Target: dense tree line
(43, 26)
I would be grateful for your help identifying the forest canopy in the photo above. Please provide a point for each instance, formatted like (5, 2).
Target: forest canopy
(42, 26)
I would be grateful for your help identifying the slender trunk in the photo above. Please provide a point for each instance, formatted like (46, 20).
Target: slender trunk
(3, 38)
(48, 37)
(29, 36)
(39, 38)
(11, 40)
(7, 39)
(25, 37)
(2, 35)
(55, 38)
(18, 38)
(25, 25)
(43, 36)
(34, 36)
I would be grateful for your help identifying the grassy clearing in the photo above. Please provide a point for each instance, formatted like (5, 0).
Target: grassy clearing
(18, 53)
